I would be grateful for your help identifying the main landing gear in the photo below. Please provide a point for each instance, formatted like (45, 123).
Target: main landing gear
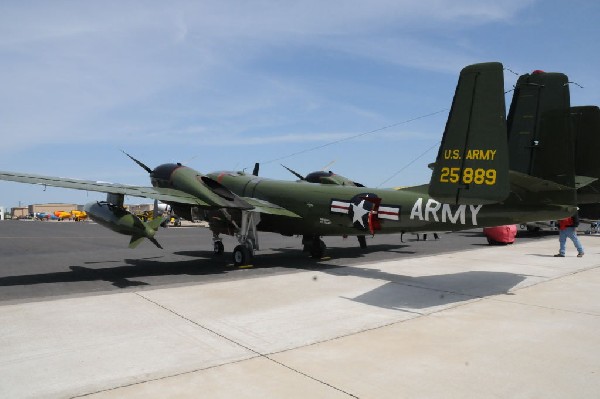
(362, 241)
(314, 245)
(247, 236)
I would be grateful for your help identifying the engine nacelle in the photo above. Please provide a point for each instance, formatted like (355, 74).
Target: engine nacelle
(120, 220)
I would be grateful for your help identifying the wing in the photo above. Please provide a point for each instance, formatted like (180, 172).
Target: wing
(269, 208)
(161, 194)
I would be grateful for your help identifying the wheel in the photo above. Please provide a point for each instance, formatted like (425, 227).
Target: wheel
(362, 241)
(218, 248)
(241, 255)
(317, 249)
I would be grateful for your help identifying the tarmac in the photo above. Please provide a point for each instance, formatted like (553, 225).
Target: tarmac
(493, 322)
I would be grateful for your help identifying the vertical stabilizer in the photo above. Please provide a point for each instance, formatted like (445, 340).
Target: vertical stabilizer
(540, 137)
(472, 162)
(586, 125)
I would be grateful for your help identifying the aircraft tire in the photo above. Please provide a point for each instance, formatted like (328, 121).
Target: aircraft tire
(218, 248)
(362, 241)
(317, 249)
(241, 255)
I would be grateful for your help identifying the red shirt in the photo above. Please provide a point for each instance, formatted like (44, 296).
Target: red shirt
(564, 223)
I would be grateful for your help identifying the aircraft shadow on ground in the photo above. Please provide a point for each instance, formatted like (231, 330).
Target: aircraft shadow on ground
(397, 292)
(204, 263)
(406, 293)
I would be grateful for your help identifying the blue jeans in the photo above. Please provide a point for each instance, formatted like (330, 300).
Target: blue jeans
(572, 234)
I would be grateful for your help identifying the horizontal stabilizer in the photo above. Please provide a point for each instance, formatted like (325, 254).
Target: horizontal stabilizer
(582, 181)
(536, 189)
(472, 163)
(534, 184)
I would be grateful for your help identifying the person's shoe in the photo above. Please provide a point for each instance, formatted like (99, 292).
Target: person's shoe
(579, 255)
(561, 256)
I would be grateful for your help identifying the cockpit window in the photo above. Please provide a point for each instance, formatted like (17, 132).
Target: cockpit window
(315, 177)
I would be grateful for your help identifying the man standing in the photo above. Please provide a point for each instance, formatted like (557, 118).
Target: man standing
(567, 228)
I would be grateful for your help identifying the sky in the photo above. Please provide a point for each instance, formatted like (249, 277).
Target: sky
(220, 85)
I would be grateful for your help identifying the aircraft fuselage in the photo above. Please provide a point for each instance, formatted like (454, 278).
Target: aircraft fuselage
(326, 209)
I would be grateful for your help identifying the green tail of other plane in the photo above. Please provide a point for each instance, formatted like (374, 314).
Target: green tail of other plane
(586, 125)
(541, 138)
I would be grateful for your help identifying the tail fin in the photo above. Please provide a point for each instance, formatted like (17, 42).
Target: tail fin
(540, 138)
(586, 124)
(472, 162)
(135, 241)
(540, 134)
(155, 223)
(151, 228)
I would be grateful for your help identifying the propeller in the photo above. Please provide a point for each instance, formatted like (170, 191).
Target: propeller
(144, 166)
(298, 175)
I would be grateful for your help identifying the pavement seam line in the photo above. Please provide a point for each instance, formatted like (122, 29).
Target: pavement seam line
(258, 354)
(573, 273)
(473, 299)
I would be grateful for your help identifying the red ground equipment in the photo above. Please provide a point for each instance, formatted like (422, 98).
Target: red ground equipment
(501, 235)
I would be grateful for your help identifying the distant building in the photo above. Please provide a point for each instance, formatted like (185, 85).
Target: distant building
(19, 212)
(50, 208)
(140, 208)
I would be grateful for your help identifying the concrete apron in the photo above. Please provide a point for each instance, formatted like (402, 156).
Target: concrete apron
(492, 322)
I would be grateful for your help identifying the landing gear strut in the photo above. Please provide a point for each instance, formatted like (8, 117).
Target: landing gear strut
(314, 245)
(362, 241)
(247, 236)
(246, 233)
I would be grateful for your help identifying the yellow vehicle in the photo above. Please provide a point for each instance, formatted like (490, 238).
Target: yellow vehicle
(78, 216)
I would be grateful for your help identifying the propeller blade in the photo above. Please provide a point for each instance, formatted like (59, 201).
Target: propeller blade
(155, 211)
(145, 167)
(298, 175)
(324, 169)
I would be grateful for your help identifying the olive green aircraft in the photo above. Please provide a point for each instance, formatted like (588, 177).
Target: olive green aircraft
(471, 184)
(536, 144)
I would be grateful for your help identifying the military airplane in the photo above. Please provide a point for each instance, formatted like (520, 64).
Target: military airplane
(471, 186)
(78, 216)
(62, 215)
(537, 139)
